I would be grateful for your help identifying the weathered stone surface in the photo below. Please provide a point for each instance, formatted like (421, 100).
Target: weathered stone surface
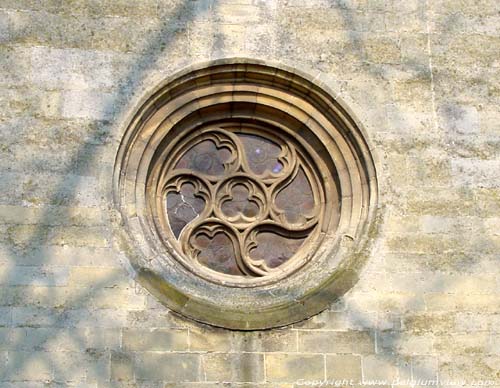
(292, 367)
(244, 367)
(421, 77)
(266, 341)
(122, 366)
(155, 340)
(169, 367)
(380, 368)
(344, 367)
(350, 342)
(210, 339)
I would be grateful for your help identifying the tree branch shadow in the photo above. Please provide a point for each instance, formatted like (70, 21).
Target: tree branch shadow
(158, 45)
(20, 350)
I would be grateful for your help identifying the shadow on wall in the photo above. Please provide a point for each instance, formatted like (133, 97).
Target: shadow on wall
(26, 358)
(25, 348)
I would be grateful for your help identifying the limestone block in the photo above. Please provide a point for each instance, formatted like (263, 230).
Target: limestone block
(150, 318)
(122, 366)
(340, 367)
(356, 342)
(380, 368)
(103, 339)
(341, 321)
(30, 365)
(266, 341)
(424, 368)
(405, 343)
(169, 367)
(155, 339)
(459, 119)
(5, 316)
(244, 367)
(420, 77)
(94, 105)
(288, 367)
(475, 173)
(209, 339)
(37, 276)
(471, 343)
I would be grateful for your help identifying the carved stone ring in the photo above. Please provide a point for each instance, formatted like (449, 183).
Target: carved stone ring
(245, 193)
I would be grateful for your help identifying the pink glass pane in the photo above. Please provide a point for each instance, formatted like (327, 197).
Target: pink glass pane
(275, 249)
(217, 253)
(262, 154)
(296, 200)
(205, 158)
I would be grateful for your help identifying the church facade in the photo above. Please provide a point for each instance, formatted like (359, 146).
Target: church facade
(147, 241)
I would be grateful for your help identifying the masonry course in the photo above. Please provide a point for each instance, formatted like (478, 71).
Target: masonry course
(420, 76)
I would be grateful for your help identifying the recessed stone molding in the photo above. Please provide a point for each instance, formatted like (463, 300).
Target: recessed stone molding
(245, 192)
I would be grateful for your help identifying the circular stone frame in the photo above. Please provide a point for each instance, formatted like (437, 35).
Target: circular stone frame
(264, 94)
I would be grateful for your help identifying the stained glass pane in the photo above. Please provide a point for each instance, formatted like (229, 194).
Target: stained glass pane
(241, 195)
(205, 158)
(217, 253)
(240, 203)
(183, 207)
(296, 200)
(262, 154)
(275, 249)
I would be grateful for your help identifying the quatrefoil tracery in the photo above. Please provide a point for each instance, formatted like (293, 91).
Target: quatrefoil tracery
(241, 202)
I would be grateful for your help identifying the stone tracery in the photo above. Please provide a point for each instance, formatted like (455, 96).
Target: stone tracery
(239, 203)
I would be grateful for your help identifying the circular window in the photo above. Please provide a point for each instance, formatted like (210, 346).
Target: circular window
(245, 193)
(242, 204)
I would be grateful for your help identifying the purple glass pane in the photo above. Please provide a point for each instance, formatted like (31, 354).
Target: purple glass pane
(217, 253)
(262, 154)
(296, 200)
(205, 158)
(275, 249)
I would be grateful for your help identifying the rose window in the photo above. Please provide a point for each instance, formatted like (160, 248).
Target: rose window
(245, 194)
(240, 201)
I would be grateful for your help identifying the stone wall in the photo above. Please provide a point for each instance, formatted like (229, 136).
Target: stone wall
(421, 77)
